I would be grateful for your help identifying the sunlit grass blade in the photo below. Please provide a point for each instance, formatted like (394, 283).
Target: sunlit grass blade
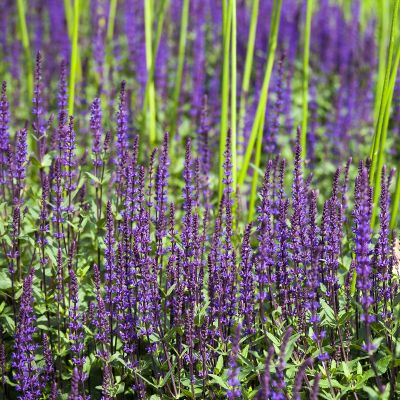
(233, 97)
(396, 201)
(69, 16)
(160, 25)
(379, 141)
(387, 102)
(23, 30)
(306, 77)
(382, 34)
(375, 148)
(74, 58)
(258, 123)
(150, 116)
(181, 62)
(226, 37)
(111, 20)
(246, 78)
(254, 182)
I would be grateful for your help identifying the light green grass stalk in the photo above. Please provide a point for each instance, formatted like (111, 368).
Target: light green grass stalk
(254, 182)
(377, 153)
(226, 36)
(150, 116)
(160, 25)
(181, 62)
(382, 34)
(375, 149)
(306, 77)
(258, 124)
(233, 98)
(69, 16)
(246, 78)
(396, 201)
(74, 58)
(111, 20)
(23, 30)
(387, 106)
(383, 136)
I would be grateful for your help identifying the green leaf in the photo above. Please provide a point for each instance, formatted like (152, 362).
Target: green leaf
(220, 364)
(346, 370)
(217, 379)
(93, 177)
(5, 281)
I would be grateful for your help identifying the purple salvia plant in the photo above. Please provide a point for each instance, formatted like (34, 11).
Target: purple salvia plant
(74, 392)
(233, 382)
(266, 380)
(279, 384)
(76, 334)
(298, 222)
(315, 388)
(382, 253)
(58, 198)
(26, 372)
(228, 257)
(49, 370)
(161, 196)
(299, 378)
(101, 322)
(96, 128)
(246, 302)
(19, 168)
(122, 132)
(266, 249)
(4, 137)
(362, 239)
(109, 262)
(37, 108)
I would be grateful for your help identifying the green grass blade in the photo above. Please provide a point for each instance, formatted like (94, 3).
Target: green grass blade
(23, 30)
(375, 148)
(224, 92)
(396, 201)
(306, 77)
(233, 97)
(160, 25)
(111, 20)
(69, 16)
(246, 77)
(150, 116)
(382, 34)
(384, 130)
(74, 58)
(258, 124)
(181, 61)
(254, 182)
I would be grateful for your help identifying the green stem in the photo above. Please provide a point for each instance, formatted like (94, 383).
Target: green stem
(383, 135)
(70, 27)
(25, 43)
(306, 77)
(246, 77)
(258, 124)
(181, 60)
(233, 97)
(111, 20)
(160, 24)
(148, 21)
(382, 34)
(254, 182)
(396, 201)
(375, 149)
(224, 92)
(74, 58)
